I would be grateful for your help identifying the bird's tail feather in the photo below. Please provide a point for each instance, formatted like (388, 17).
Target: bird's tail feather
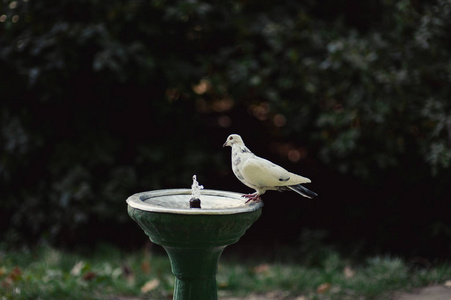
(302, 191)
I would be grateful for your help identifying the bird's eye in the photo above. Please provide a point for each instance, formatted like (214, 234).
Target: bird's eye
(230, 138)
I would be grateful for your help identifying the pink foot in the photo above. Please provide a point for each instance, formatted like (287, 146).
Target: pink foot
(252, 197)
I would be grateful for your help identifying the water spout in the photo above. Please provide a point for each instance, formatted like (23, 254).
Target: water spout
(194, 202)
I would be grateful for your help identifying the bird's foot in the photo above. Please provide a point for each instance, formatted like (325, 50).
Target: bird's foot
(252, 197)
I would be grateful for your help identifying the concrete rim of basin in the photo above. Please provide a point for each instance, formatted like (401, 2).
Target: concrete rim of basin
(176, 201)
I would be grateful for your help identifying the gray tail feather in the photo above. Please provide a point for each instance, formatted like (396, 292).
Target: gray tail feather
(302, 191)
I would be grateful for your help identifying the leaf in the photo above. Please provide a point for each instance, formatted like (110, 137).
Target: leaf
(6, 283)
(3, 271)
(89, 276)
(145, 267)
(263, 268)
(76, 269)
(348, 272)
(323, 288)
(15, 274)
(150, 286)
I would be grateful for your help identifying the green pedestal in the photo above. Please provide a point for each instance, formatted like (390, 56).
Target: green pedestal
(194, 239)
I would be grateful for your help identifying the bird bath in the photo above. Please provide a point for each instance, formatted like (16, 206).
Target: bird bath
(193, 238)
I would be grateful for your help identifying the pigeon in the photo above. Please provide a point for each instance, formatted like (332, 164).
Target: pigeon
(261, 174)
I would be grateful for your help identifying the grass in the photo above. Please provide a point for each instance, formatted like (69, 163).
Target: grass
(108, 273)
(335, 278)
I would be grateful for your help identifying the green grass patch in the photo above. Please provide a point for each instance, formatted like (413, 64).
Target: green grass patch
(108, 273)
(335, 278)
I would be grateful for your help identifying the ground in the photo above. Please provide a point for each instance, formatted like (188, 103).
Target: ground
(436, 292)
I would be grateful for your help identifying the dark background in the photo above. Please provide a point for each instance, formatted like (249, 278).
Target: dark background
(104, 99)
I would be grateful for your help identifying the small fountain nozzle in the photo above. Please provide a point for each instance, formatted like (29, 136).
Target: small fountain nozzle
(194, 203)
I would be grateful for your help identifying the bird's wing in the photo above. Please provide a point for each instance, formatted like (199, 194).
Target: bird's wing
(262, 172)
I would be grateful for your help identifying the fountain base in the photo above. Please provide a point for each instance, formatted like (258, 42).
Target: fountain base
(195, 242)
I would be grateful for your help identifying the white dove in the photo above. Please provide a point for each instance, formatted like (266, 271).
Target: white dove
(261, 174)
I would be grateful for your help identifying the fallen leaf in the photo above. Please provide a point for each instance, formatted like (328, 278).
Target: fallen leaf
(6, 283)
(447, 283)
(348, 272)
(15, 274)
(323, 288)
(150, 285)
(76, 269)
(145, 267)
(89, 276)
(263, 268)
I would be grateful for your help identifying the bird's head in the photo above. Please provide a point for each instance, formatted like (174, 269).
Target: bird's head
(233, 139)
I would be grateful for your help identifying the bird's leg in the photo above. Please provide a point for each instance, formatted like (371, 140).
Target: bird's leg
(252, 197)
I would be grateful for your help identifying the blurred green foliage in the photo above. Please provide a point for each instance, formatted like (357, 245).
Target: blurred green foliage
(101, 99)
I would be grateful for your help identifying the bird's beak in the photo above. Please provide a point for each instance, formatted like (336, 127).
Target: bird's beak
(225, 144)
